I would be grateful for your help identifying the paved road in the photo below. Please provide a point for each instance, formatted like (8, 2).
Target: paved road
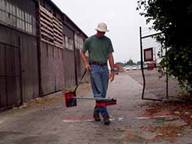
(48, 121)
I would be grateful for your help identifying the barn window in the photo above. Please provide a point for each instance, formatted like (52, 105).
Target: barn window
(22, 15)
(18, 13)
(12, 15)
(28, 18)
(7, 7)
(2, 16)
(2, 5)
(66, 42)
(70, 44)
(12, 10)
(78, 42)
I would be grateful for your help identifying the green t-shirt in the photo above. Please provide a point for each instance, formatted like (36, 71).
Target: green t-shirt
(98, 48)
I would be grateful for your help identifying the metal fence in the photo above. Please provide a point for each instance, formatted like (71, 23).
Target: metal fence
(157, 85)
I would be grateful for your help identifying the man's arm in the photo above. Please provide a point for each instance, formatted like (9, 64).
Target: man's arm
(111, 63)
(85, 60)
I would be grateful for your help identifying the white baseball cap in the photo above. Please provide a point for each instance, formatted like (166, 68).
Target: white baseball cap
(102, 27)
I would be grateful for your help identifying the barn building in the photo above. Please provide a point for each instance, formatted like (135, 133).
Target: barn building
(39, 51)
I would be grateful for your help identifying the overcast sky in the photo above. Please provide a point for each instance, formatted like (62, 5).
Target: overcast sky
(121, 17)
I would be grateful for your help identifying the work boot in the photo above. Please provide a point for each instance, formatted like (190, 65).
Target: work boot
(96, 115)
(106, 120)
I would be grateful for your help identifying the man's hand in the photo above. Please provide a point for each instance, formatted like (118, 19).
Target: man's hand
(85, 61)
(87, 67)
(111, 76)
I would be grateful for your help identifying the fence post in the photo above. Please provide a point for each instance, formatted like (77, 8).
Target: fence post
(141, 49)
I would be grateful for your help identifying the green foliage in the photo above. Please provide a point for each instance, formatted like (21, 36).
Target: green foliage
(130, 62)
(175, 24)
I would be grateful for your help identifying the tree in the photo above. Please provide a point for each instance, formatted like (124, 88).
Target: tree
(175, 24)
(130, 62)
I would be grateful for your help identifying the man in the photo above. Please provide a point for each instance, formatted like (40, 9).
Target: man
(100, 51)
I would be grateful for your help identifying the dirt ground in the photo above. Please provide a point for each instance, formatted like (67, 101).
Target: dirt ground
(133, 121)
(155, 83)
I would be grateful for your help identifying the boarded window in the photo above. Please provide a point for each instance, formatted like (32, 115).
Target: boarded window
(51, 28)
(148, 54)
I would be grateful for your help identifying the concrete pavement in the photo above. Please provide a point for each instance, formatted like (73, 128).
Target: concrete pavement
(48, 121)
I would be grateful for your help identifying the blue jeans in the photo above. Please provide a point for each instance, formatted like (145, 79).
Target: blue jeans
(99, 82)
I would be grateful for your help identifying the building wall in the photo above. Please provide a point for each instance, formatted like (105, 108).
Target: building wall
(18, 15)
(9, 75)
(19, 65)
(51, 49)
(39, 51)
(60, 58)
(52, 70)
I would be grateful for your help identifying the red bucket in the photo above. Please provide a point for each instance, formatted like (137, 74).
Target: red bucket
(70, 99)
